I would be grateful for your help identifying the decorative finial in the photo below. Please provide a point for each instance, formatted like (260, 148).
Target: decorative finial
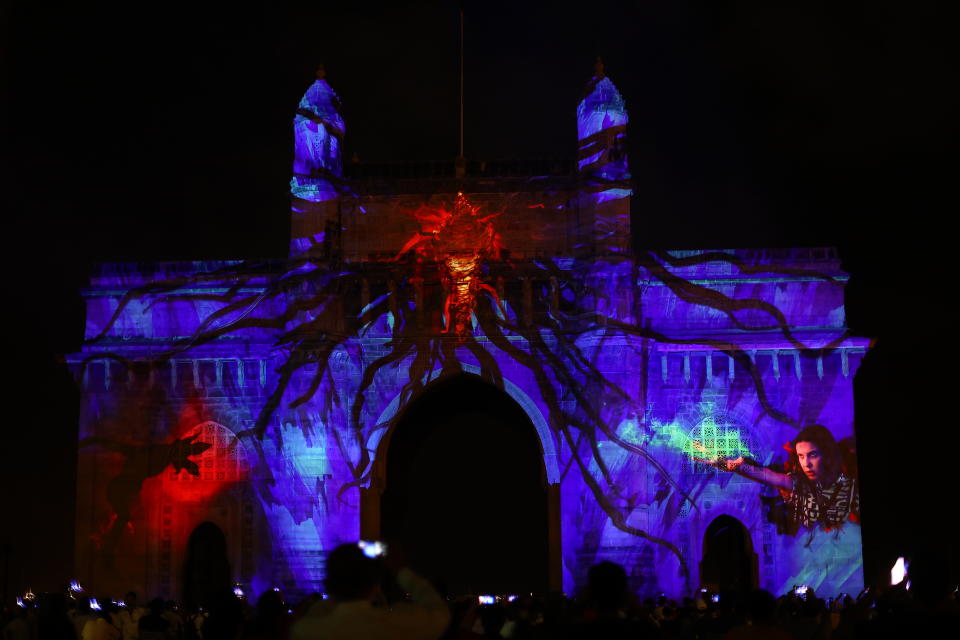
(321, 72)
(598, 68)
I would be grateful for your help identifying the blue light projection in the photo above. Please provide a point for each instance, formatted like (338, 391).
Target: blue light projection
(631, 366)
(602, 162)
(601, 128)
(318, 131)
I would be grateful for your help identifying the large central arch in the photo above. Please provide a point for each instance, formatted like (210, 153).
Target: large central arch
(385, 443)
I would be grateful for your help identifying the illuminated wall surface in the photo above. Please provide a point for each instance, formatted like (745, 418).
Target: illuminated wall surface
(318, 133)
(255, 395)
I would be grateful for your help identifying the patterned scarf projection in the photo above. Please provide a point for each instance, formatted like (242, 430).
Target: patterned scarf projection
(662, 384)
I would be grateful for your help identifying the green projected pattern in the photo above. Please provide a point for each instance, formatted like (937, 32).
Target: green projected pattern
(712, 438)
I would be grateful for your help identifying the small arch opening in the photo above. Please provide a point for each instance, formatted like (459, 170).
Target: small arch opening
(729, 561)
(207, 567)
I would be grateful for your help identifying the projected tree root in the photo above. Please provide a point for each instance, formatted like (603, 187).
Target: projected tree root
(312, 309)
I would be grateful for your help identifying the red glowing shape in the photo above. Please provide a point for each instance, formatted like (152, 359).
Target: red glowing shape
(460, 240)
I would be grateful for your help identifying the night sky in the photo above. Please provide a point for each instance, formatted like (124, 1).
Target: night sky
(158, 132)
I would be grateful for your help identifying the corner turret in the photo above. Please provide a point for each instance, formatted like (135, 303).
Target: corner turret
(602, 167)
(318, 131)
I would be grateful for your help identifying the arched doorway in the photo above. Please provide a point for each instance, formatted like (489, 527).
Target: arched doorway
(207, 568)
(729, 562)
(465, 493)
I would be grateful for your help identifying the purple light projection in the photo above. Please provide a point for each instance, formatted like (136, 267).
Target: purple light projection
(318, 132)
(631, 368)
(602, 163)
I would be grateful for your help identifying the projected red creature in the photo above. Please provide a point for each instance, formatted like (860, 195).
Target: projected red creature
(140, 463)
(461, 239)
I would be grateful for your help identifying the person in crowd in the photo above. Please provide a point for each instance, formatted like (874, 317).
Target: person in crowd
(761, 623)
(80, 616)
(271, 619)
(17, 627)
(224, 618)
(356, 606)
(607, 599)
(492, 618)
(194, 627)
(127, 618)
(53, 622)
(463, 617)
(172, 615)
(522, 617)
(808, 617)
(99, 626)
(153, 626)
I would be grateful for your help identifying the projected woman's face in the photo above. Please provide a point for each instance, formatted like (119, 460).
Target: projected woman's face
(810, 459)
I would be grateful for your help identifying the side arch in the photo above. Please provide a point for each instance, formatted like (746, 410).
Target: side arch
(728, 558)
(210, 494)
(206, 570)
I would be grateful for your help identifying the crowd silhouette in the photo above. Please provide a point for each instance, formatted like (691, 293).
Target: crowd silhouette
(377, 597)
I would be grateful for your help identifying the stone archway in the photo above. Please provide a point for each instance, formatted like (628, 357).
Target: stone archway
(729, 560)
(462, 435)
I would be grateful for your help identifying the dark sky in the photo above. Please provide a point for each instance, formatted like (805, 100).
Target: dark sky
(150, 132)
(751, 125)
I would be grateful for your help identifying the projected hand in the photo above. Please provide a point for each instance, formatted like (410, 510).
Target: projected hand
(722, 463)
(751, 470)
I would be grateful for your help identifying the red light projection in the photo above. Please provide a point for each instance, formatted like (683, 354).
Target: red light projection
(219, 463)
(195, 463)
(460, 240)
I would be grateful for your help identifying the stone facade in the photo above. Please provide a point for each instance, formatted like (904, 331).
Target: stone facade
(260, 396)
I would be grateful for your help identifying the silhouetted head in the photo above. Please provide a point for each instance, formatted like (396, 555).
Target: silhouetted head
(350, 574)
(226, 615)
(492, 617)
(103, 612)
(157, 606)
(762, 606)
(608, 585)
(270, 605)
(53, 604)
